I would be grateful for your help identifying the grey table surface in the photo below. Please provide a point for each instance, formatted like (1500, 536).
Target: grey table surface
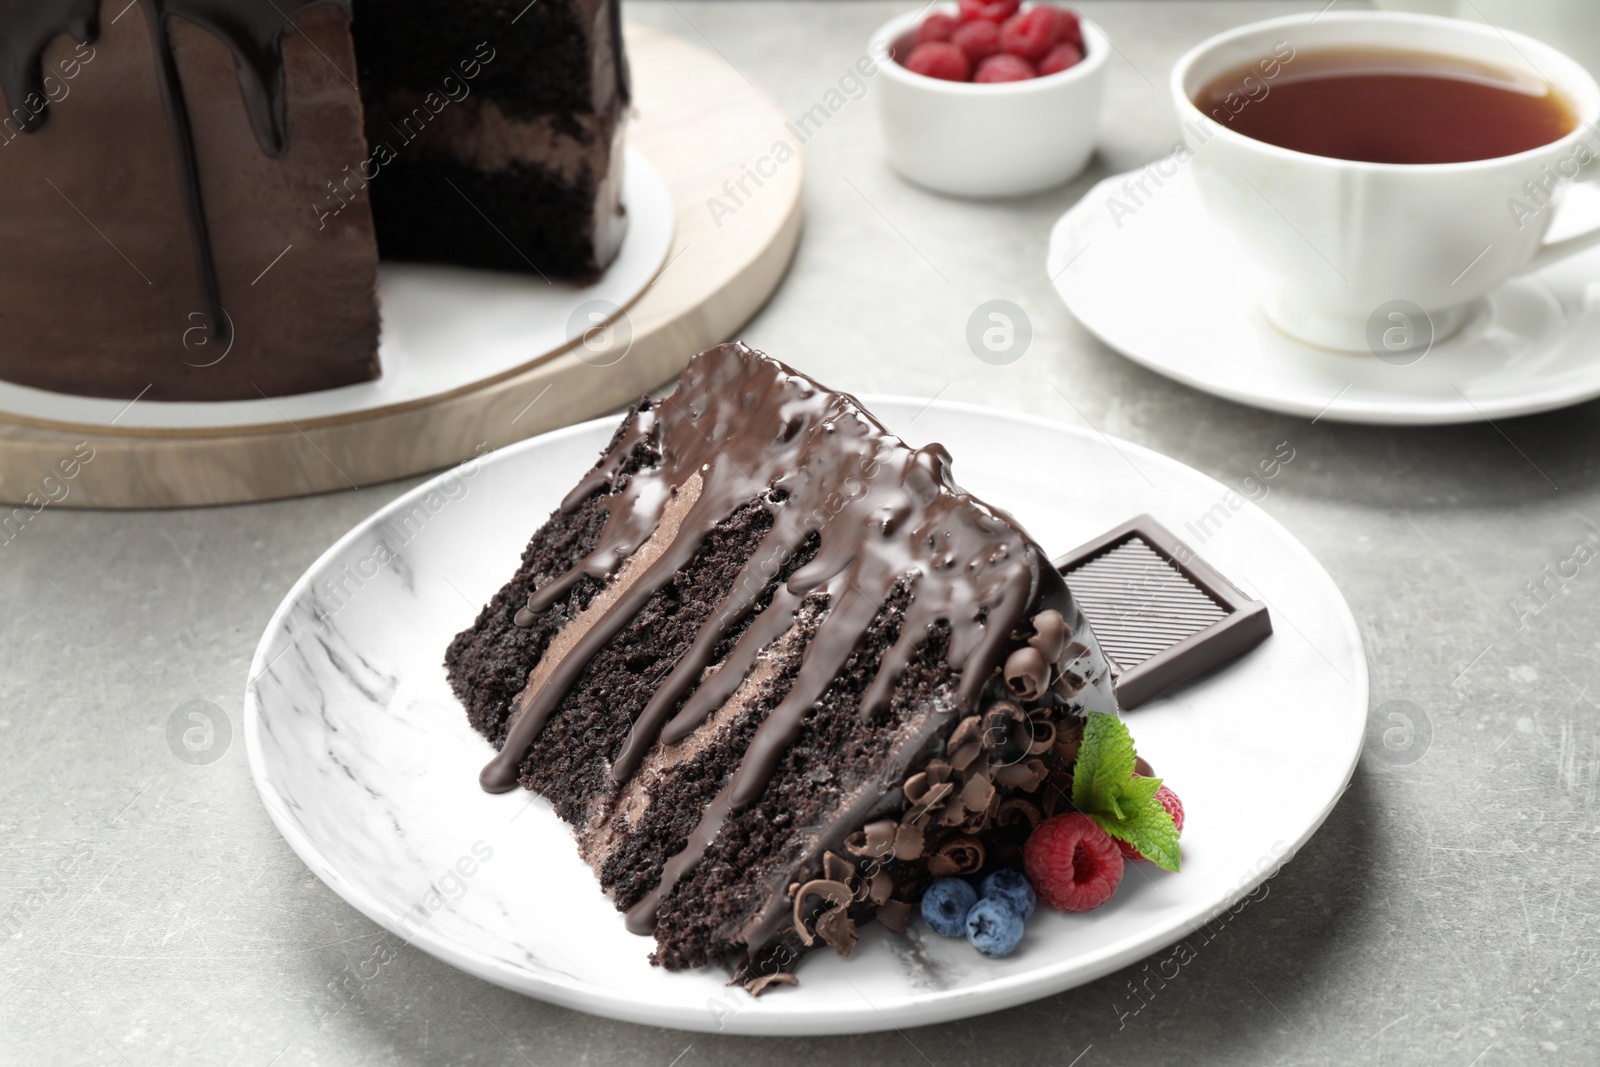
(1445, 913)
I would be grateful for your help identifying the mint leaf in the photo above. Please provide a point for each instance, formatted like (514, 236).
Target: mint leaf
(1105, 760)
(1151, 832)
(1105, 789)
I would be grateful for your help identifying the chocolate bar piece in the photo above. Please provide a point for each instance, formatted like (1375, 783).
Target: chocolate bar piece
(1162, 614)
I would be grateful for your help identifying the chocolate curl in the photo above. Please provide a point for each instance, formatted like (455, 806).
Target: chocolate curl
(836, 868)
(875, 839)
(961, 855)
(833, 893)
(757, 986)
(1027, 674)
(1018, 812)
(838, 930)
(1027, 776)
(1050, 635)
(1044, 737)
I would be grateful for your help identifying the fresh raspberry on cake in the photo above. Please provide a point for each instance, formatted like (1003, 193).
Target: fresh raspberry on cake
(988, 10)
(1003, 68)
(940, 59)
(1073, 864)
(1168, 800)
(979, 40)
(1030, 34)
(1061, 57)
(936, 27)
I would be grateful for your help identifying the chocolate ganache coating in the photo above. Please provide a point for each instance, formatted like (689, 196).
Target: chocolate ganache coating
(744, 428)
(253, 32)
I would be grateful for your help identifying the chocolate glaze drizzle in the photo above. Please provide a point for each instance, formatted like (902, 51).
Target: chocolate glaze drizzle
(252, 30)
(744, 428)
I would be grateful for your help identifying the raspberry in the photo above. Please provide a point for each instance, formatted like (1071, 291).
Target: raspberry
(1030, 34)
(939, 59)
(1073, 864)
(935, 27)
(1003, 68)
(1174, 806)
(979, 40)
(1061, 57)
(988, 10)
(1068, 29)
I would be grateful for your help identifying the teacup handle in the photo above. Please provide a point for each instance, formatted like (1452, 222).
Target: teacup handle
(1555, 251)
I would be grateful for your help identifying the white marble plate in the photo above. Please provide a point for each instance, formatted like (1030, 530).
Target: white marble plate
(1147, 270)
(444, 329)
(367, 766)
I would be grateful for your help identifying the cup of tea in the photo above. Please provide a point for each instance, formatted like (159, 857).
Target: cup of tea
(1380, 164)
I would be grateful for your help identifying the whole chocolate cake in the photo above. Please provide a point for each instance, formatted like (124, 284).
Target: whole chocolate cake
(195, 196)
(777, 671)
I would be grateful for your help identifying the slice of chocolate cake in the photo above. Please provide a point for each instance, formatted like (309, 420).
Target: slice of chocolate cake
(778, 671)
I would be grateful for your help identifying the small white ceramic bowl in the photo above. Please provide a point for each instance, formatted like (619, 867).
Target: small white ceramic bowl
(995, 140)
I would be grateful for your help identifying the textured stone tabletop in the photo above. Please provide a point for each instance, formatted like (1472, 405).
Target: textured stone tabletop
(1445, 913)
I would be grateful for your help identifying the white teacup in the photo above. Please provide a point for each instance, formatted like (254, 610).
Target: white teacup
(1349, 242)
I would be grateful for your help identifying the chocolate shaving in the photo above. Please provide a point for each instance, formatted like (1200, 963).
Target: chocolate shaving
(1027, 776)
(955, 812)
(935, 796)
(1050, 635)
(876, 839)
(838, 930)
(1044, 737)
(838, 869)
(962, 757)
(977, 793)
(1015, 812)
(880, 888)
(1027, 674)
(757, 986)
(969, 729)
(908, 840)
(961, 855)
(894, 915)
(834, 893)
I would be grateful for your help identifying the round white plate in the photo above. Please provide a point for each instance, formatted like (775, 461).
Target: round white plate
(444, 329)
(1149, 272)
(367, 765)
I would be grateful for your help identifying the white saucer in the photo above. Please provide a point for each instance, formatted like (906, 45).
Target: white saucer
(1153, 276)
(366, 763)
(445, 329)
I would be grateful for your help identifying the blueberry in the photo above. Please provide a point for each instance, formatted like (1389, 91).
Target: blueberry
(945, 905)
(1012, 887)
(994, 927)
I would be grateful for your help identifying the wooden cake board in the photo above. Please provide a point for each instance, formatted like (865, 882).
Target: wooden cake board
(698, 121)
